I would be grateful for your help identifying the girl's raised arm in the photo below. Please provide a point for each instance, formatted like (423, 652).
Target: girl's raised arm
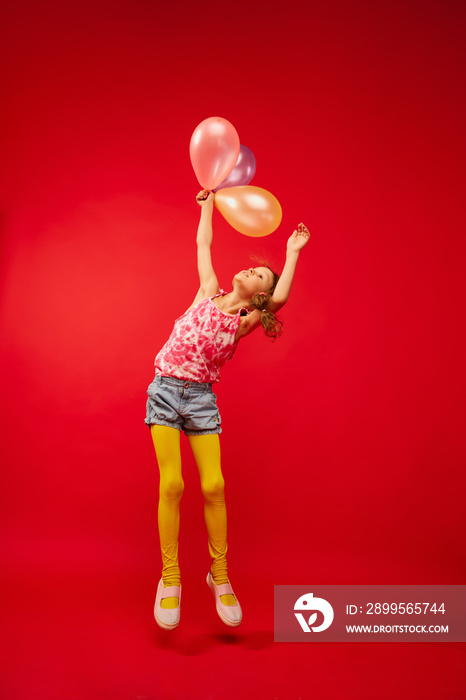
(295, 244)
(207, 277)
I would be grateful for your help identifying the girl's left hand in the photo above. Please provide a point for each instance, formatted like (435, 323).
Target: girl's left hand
(298, 238)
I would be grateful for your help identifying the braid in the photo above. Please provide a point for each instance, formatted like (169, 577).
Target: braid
(270, 323)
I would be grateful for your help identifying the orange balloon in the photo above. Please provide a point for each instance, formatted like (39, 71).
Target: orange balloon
(250, 210)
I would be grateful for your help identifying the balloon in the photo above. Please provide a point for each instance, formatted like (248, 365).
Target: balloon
(243, 172)
(214, 150)
(250, 210)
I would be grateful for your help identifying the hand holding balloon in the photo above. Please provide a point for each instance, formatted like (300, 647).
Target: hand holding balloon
(298, 239)
(205, 198)
(225, 167)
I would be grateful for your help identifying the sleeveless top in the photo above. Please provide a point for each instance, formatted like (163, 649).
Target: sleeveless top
(201, 341)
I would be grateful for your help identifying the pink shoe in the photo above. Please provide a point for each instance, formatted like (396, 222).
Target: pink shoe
(167, 618)
(231, 615)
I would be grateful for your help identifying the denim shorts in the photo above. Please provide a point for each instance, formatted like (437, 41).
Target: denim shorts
(184, 405)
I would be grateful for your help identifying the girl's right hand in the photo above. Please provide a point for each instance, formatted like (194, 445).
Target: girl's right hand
(205, 197)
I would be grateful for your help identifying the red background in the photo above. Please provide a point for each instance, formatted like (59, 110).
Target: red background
(343, 444)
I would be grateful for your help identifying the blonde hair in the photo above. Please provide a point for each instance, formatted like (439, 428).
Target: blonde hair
(270, 323)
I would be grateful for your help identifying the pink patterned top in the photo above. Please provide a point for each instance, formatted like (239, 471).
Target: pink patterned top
(201, 341)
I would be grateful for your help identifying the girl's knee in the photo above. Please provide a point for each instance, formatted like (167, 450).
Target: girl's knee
(214, 489)
(171, 489)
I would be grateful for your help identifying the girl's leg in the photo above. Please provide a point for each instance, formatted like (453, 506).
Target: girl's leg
(167, 449)
(206, 451)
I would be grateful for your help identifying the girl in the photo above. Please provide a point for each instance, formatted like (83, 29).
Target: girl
(181, 398)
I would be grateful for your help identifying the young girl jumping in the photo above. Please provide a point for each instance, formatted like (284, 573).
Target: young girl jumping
(181, 398)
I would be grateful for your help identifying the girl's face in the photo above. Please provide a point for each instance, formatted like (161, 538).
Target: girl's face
(249, 282)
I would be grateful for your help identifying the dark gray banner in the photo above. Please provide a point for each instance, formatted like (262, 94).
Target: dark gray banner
(382, 613)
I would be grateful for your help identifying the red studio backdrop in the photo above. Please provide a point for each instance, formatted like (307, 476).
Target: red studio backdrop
(343, 442)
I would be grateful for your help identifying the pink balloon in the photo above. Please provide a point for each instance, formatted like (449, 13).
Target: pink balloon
(243, 172)
(214, 150)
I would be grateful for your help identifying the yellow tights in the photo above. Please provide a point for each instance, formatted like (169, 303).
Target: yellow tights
(206, 451)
